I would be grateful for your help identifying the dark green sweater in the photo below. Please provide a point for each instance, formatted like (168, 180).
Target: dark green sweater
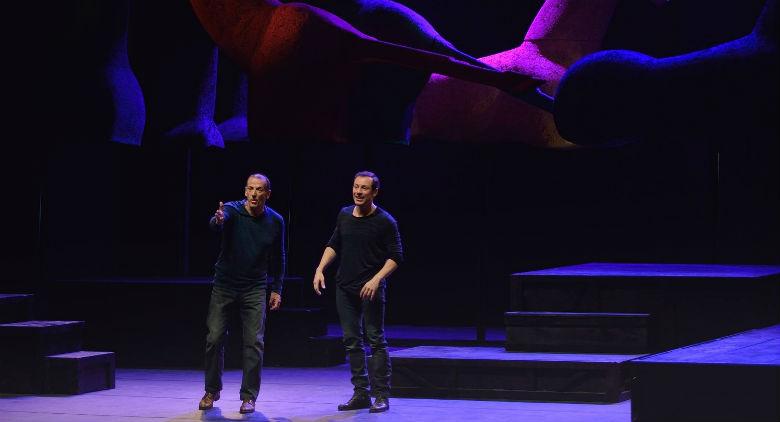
(252, 252)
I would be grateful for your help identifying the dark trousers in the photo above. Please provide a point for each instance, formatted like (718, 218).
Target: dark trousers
(251, 309)
(353, 312)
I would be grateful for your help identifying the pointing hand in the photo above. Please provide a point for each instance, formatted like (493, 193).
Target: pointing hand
(220, 214)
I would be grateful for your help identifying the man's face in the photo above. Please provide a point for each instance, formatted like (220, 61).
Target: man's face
(363, 191)
(256, 193)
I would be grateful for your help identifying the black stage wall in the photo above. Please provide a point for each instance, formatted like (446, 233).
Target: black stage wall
(469, 214)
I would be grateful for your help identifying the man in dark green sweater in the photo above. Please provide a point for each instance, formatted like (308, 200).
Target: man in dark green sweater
(368, 245)
(251, 261)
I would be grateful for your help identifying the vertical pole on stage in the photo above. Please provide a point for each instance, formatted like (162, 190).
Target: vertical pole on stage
(294, 152)
(41, 278)
(185, 250)
(483, 244)
(40, 246)
(39, 234)
(716, 200)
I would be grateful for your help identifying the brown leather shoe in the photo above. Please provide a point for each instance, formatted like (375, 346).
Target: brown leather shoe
(207, 402)
(247, 406)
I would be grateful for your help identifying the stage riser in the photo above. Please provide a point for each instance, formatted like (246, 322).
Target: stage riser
(35, 339)
(684, 310)
(561, 332)
(16, 307)
(493, 394)
(316, 351)
(22, 376)
(185, 348)
(171, 329)
(491, 380)
(713, 393)
(734, 378)
(586, 339)
(78, 373)
(298, 337)
(298, 293)
(494, 373)
(39, 357)
(57, 375)
(296, 323)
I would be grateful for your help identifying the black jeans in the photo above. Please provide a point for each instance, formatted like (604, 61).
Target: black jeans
(352, 313)
(251, 308)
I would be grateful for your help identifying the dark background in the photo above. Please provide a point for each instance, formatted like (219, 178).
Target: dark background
(469, 214)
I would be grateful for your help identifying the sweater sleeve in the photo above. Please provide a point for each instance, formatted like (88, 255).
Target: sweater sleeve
(278, 261)
(392, 241)
(213, 220)
(335, 239)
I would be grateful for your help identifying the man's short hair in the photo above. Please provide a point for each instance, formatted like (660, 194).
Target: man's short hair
(263, 177)
(374, 178)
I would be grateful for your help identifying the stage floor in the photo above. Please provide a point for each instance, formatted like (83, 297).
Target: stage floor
(287, 394)
(433, 334)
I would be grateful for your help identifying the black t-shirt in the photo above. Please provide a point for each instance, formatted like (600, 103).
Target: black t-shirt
(252, 248)
(363, 245)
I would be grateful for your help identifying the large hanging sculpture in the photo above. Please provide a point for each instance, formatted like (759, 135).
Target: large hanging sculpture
(233, 128)
(116, 110)
(613, 97)
(185, 103)
(380, 107)
(314, 77)
(562, 32)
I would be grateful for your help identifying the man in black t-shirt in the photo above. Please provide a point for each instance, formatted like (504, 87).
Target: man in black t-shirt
(251, 261)
(368, 246)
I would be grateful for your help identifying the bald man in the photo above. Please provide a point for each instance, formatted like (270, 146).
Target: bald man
(251, 263)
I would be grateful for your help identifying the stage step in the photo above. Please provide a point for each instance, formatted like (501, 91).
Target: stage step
(689, 303)
(298, 293)
(312, 351)
(494, 373)
(66, 373)
(734, 378)
(176, 328)
(293, 337)
(22, 375)
(44, 357)
(406, 336)
(601, 332)
(35, 339)
(15, 307)
(79, 372)
(296, 323)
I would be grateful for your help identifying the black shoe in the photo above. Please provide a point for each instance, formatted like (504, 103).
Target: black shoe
(358, 401)
(381, 404)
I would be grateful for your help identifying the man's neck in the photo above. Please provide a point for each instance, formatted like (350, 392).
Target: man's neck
(363, 211)
(256, 212)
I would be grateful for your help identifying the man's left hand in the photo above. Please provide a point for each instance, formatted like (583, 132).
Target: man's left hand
(275, 302)
(369, 289)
